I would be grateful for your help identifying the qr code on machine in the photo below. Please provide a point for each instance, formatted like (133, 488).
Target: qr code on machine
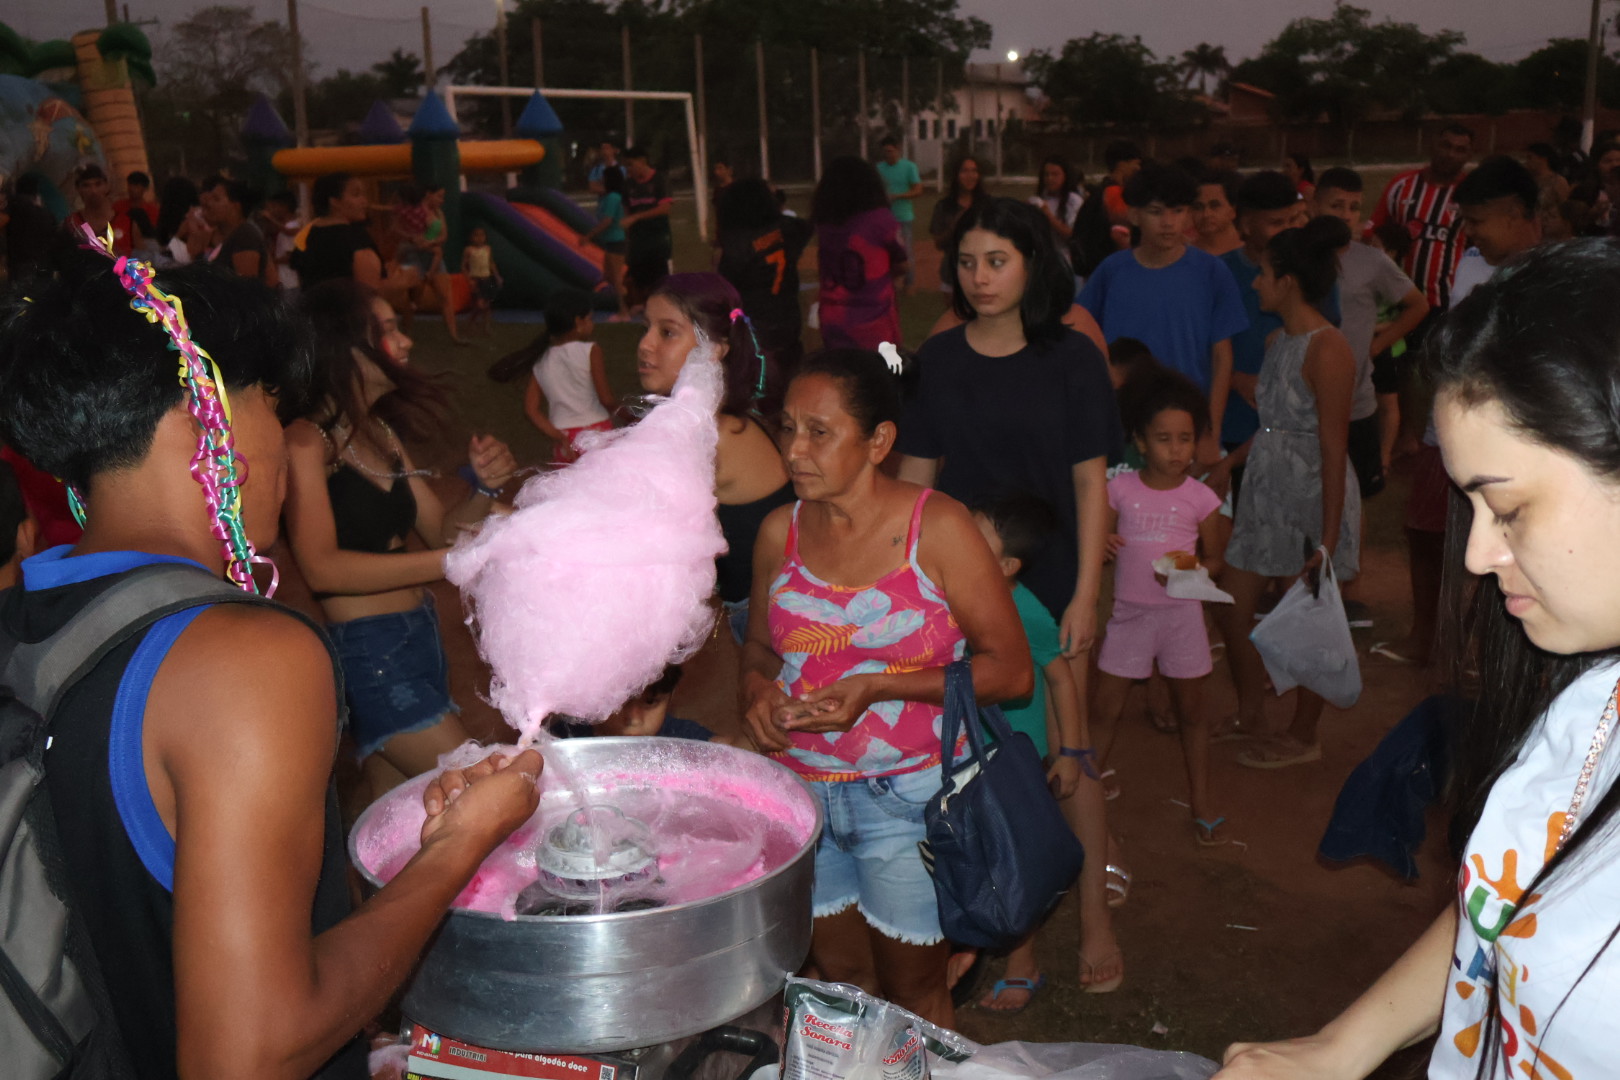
(606, 1073)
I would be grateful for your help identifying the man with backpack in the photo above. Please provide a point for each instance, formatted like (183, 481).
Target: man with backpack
(1094, 237)
(171, 858)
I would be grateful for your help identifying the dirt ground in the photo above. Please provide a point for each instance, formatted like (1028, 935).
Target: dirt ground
(1254, 940)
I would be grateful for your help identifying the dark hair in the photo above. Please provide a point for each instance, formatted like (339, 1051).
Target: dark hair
(235, 190)
(1070, 180)
(84, 379)
(1024, 523)
(1229, 181)
(1120, 150)
(1540, 343)
(747, 204)
(850, 186)
(409, 193)
(1191, 164)
(613, 180)
(888, 140)
(564, 308)
(89, 171)
(1545, 151)
(1127, 352)
(284, 197)
(1306, 173)
(138, 177)
(1048, 283)
(663, 686)
(179, 196)
(1155, 183)
(953, 186)
(13, 512)
(343, 323)
(28, 185)
(1499, 177)
(1458, 129)
(325, 189)
(635, 153)
(1163, 389)
(1341, 179)
(1396, 239)
(1266, 190)
(1310, 255)
(870, 390)
(707, 300)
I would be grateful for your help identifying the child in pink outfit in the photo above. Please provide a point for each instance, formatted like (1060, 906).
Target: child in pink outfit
(1152, 513)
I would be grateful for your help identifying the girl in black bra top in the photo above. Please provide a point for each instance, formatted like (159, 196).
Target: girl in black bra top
(354, 499)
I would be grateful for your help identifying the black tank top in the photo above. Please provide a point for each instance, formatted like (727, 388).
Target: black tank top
(127, 912)
(367, 517)
(734, 571)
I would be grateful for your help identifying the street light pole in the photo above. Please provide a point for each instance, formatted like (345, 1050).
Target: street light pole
(1594, 45)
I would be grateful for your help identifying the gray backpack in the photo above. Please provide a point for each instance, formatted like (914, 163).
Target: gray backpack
(55, 1020)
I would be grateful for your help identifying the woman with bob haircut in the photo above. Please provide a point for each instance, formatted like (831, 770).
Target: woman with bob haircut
(860, 256)
(1520, 974)
(1014, 402)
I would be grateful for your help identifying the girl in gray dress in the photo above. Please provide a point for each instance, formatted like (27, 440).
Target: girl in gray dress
(1298, 492)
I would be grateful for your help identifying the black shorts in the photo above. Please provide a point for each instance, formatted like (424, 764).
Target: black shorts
(1386, 372)
(1366, 455)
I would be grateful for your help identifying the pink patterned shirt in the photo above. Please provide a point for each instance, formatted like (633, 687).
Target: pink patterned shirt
(825, 632)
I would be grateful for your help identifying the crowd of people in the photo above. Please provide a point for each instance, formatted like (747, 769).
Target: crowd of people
(1179, 362)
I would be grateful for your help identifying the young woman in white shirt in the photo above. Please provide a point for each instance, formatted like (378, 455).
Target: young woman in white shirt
(1520, 976)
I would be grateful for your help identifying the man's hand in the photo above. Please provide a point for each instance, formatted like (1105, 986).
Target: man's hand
(483, 802)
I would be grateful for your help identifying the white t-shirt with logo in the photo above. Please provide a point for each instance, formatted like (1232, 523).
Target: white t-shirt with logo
(1539, 953)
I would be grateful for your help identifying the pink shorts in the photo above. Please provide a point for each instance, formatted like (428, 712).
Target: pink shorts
(1172, 635)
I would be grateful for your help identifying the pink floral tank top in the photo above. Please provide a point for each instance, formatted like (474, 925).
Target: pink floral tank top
(825, 633)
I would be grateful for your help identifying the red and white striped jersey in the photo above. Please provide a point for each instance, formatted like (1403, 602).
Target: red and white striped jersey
(1429, 212)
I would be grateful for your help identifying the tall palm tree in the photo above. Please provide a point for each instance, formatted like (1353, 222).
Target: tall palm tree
(1203, 62)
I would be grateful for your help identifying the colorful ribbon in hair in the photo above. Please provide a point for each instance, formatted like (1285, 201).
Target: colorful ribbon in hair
(216, 466)
(759, 383)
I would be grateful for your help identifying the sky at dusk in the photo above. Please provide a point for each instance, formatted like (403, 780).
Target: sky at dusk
(356, 33)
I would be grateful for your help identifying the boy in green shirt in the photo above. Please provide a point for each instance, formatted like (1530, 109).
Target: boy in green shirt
(1014, 527)
(903, 183)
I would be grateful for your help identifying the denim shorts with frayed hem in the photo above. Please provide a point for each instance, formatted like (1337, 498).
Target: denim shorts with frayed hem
(868, 856)
(395, 675)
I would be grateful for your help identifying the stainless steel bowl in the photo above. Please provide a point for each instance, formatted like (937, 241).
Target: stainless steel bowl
(590, 983)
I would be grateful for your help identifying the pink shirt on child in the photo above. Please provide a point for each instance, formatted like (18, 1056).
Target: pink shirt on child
(1154, 523)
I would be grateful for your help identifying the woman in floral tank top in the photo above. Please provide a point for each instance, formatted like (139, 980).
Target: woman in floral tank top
(863, 591)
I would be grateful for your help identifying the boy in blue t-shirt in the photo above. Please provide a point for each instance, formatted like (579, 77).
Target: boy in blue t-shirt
(1178, 300)
(1015, 527)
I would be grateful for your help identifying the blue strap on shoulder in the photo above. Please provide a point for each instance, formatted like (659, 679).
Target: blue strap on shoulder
(126, 765)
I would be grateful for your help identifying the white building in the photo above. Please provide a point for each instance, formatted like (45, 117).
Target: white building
(994, 94)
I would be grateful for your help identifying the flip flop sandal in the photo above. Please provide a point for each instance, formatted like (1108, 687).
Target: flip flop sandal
(1106, 987)
(1110, 791)
(1234, 733)
(1270, 757)
(1032, 985)
(1206, 831)
(1164, 723)
(1118, 885)
(1383, 649)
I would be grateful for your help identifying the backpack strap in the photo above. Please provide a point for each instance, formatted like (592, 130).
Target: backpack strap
(40, 674)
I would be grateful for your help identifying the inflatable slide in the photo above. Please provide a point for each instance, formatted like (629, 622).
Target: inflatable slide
(536, 248)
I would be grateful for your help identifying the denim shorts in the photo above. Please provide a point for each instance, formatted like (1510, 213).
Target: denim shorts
(395, 675)
(868, 856)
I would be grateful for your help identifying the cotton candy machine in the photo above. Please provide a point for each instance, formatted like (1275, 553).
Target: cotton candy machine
(662, 888)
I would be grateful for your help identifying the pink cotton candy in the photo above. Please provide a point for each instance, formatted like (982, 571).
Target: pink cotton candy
(603, 574)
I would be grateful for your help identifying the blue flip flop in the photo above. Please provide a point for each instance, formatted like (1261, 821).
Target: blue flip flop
(1032, 985)
(1206, 831)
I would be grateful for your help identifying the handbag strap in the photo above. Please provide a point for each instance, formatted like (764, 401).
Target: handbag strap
(962, 711)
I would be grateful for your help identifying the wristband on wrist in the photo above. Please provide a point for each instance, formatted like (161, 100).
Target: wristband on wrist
(1086, 757)
(493, 493)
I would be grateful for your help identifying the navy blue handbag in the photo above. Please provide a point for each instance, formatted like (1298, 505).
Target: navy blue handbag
(997, 845)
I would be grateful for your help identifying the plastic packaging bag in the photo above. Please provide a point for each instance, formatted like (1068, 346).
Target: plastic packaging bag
(840, 1032)
(1305, 641)
(1075, 1061)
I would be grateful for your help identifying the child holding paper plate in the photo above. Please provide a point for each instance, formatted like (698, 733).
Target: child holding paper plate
(1162, 512)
